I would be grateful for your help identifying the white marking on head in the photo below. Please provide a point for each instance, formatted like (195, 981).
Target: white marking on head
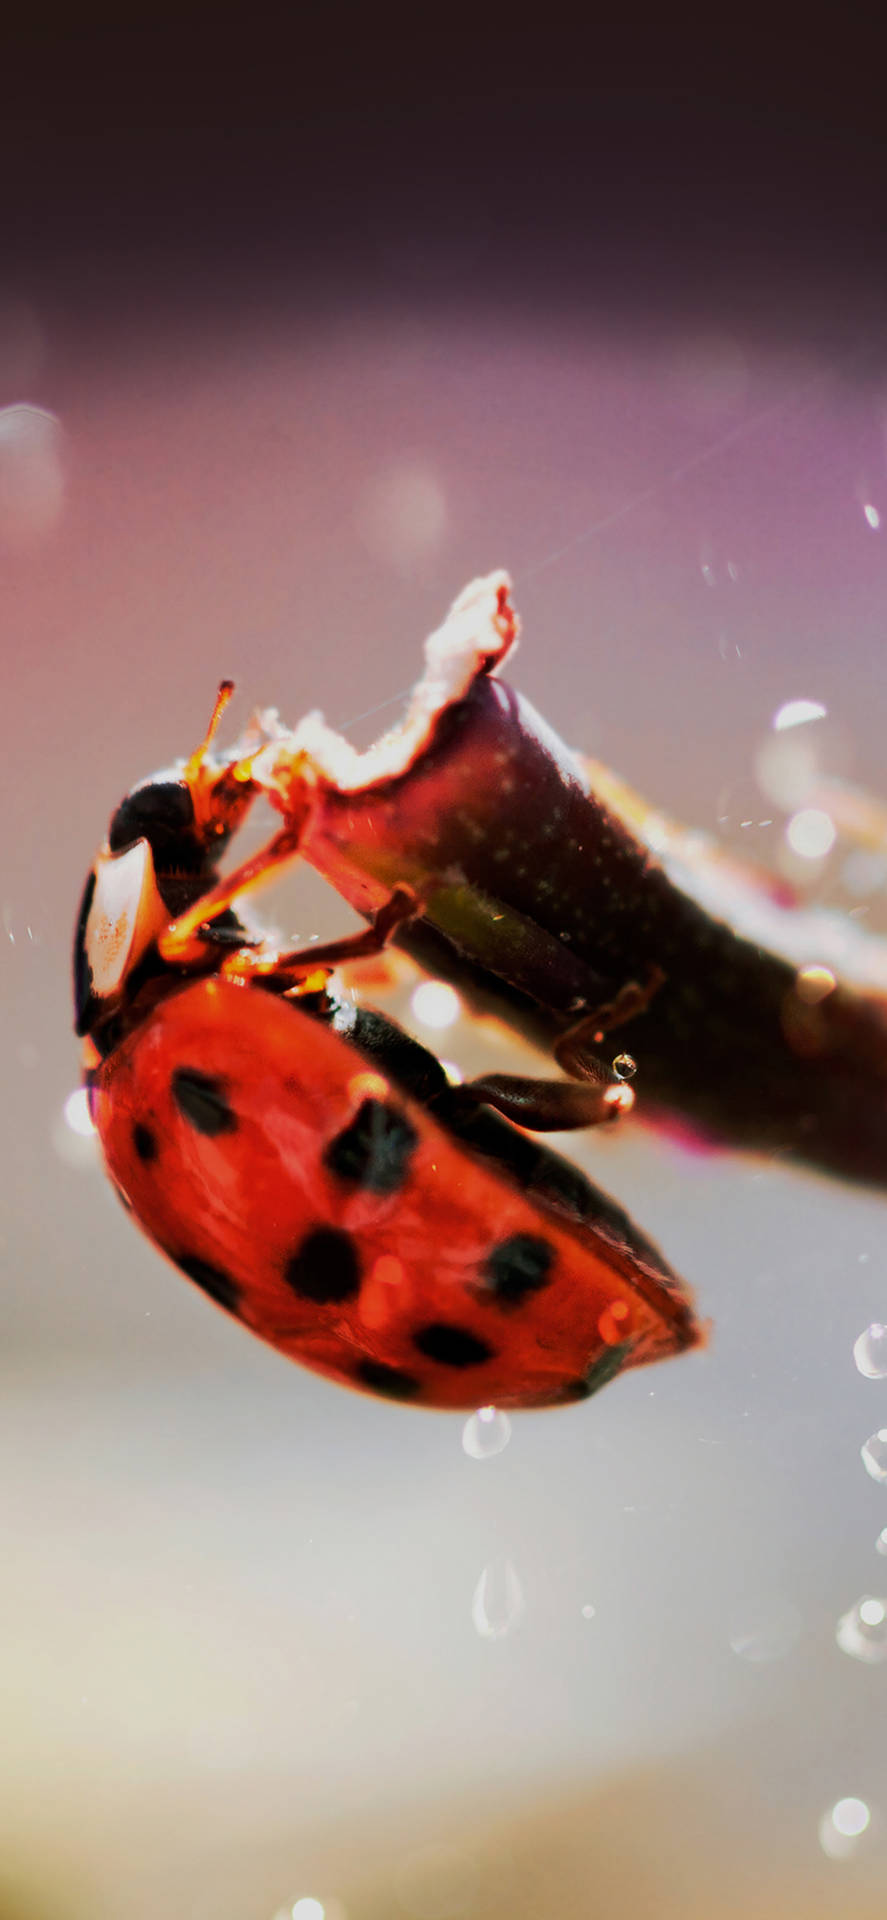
(126, 914)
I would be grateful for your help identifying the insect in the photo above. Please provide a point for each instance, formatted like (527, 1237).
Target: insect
(309, 1165)
(758, 1025)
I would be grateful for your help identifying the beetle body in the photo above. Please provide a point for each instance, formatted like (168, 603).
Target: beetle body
(309, 1166)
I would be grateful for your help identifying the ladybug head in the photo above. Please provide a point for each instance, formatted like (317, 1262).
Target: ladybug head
(162, 812)
(186, 822)
(164, 844)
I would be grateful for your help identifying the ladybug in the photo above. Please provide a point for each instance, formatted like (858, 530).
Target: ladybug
(310, 1166)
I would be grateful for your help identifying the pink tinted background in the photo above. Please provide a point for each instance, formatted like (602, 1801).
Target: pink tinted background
(240, 1644)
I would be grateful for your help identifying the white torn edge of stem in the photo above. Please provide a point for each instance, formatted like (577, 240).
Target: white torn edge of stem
(478, 634)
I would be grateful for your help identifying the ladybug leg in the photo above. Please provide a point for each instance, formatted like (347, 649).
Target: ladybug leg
(290, 969)
(574, 1049)
(594, 1093)
(182, 942)
(551, 1106)
(630, 1001)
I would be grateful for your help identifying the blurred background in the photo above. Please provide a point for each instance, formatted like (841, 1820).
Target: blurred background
(305, 319)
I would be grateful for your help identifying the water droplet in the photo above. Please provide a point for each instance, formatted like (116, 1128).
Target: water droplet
(614, 1323)
(874, 1454)
(624, 1066)
(881, 1543)
(862, 1632)
(498, 1600)
(872, 515)
(843, 1826)
(870, 1352)
(486, 1433)
(588, 1611)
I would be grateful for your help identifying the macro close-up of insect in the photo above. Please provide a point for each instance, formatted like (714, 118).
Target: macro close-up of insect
(479, 975)
(310, 1167)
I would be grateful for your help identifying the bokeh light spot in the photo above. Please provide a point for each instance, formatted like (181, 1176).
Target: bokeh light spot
(811, 833)
(435, 1004)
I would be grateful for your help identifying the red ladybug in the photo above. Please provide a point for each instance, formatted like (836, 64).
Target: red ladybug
(310, 1166)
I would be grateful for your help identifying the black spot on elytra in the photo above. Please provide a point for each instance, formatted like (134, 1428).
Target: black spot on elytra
(375, 1150)
(325, 1268)
(451, 1346)
(602, 1370)
(518, 1267)
(388, 1380)
(202, 1101)
(212, 1280)
(144, 1142)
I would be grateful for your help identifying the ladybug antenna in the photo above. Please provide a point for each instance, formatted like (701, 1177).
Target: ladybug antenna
(193, 765)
